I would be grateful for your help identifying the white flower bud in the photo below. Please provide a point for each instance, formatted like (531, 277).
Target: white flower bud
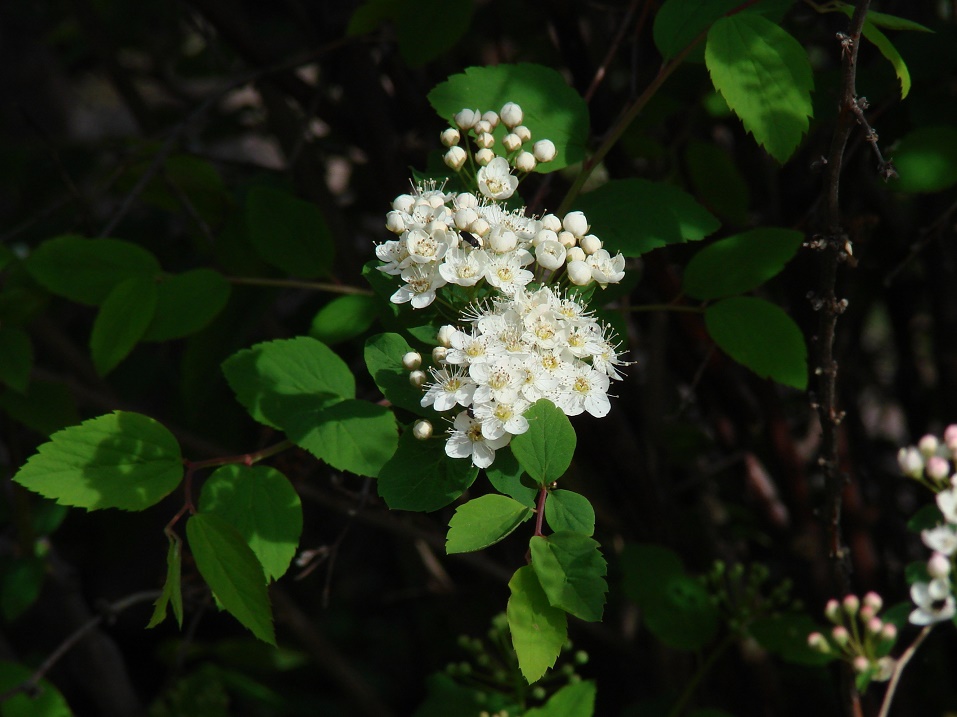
(579, 273)
(482, 127)
(445, 335)
(544, 150)
(817, 642)
(928, 445)
(544, 235)
(395, 221)
(938, 469)
(511, 114)
(576, 223)
(403, 203)
(873, 601)
(422, 430)
(832, 611)
(464, 217)
(524, 162)
(450, 137)
(491, 117)
(512, 142)
(412, 360)
(590, 243)
(550, 255)
(911, 462)
(439, 353)
(552, 222)
(465, 200)
(568, 239)
(484, 156)
(950, 436)
(480, 227)
(485, 140)
(938, 566)
(455, 158)
(418, 378)
(466, 119)
(501, 240)
(576, 253)
(523, 132)
(861, 664)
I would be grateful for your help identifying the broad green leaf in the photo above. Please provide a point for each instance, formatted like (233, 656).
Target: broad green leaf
(45, 407)
(17, 357)
(717, 181)
(383, 355)
(546, 449)
(786, 636)
(484, 521)
(740, 263)
(46, 701)
(289, 233)
(574, 700)
(20, 581)
(87, 270)
(890, 53)
(344, 318)
(233, 573)
(552, 109)
(765, 76)
(538, 629)
(926, 159)
(679, 22)
(634, 216)
(186, 303)
(121, 322)
(263, 506)
(759, 335)
(680, 613)
(121, 460)
(420, 476)
(505, 475)
(644, 567)
(351, 435)
(572, 573)
(172, 590)
(277, 381)
(566, 510)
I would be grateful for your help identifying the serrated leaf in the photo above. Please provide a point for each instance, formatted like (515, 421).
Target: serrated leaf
(87, 270)
(881, 19)
(538, 630)
(759, 335)
(679, 22)
(552, 109)
(566, 510)
(765, 77)
(122, 321)
(383, 356)
(421, 477)
(344, 318)
(926, 160)
(289, 233)
(45, 701)
(263, 506)
(740, 263)
(172, 591)
(186, 303)
(233, 573)
(484, 521)
(350, 435)
(45, 407)
(717, 181)
(634, 216)
(546, 449)
(505, 475)
(890, 53)
(279, 380)
(786, 636)
(122, 460)
(573, 700)
(571, 570)
(17, 357)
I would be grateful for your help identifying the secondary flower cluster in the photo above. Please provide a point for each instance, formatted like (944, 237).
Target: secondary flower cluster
(859, 636)
(930, 463)
(519, 348)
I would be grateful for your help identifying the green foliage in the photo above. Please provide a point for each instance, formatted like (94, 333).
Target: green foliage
(927, 160)
(45, 406)
(122, 460)
(565, 510)
(765, 76)
(186, 303)
(172, 594)
(20, 583)
(289, 233)
(484, 521)
(786, 636)
(46, 702)
(122, 321)
(717, 181)
(678, 23)
(538, 628)
(571, 570)
(506, 476)
(546, 449)
(574, 700)
(344, 318)
(17, 352)
(383, 356)
(421, 477)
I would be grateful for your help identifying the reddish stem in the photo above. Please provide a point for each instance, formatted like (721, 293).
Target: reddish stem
(540, 511)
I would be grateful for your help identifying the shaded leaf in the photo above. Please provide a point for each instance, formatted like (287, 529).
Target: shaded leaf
(538, 630)
(344, 318)
(289, 233)
(571, 571)
(679, 22)
(45, 407)
(786, 636)
(573, 700)
(505, 475)
(420, 476)
(484, 521)
(172, 590)
(383, 356)
(187, 303)
(46, 701)
(926, 160)
(122, 321)
(717, 181)
(17, 357)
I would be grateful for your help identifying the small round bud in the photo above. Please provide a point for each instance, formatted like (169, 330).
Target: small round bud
(511, 114)
(491, 117)
(523, 132)
(480, 227)
(889, 632)
(544, 235)
(455, 158)
(840, 635)
(395, 221)
(483, 127)
(501, 240)
(581, 657)
(567, 239)
(579, 273)
(538, 692)
(544, 150)
(575, 254)
(524, 162)
(867, 613)
(485, 140)
(439, 353)
(550, 255)
(928, 445)
(938, 469)
(590, 243)
(817, 642)
(418, 378)
(552, 222)
(465, 200)
(873, 601)
(950, 436)
(874, 625)
(851, 604)
(403, 203)
(466, 119)
(412, 360)
(511, 142)
(484, 156)
(445, 335)
(938, 566)
(832, 611)
(450, 137)
(861, 664)
(885, 669)
(464, 217)
(911, 462)
(576, 223)
(422, 430)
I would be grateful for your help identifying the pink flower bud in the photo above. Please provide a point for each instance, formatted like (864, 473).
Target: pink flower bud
(873, 600)
(832, 611)
(840, 635)
(861, 664)
(938, 468)
(851, 605)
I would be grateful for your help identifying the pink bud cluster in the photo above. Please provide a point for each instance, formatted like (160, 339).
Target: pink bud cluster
(859, 636)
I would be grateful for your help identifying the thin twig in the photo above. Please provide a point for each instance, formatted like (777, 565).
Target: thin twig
(899, 670)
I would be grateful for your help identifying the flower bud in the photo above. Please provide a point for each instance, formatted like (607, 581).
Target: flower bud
(511, 114)
(455, 158)
(511, 142)
(550, 255)
(501, 240)
(938, 469)
(911, 462)
(950, 436)
(840, 635)
(576, 223)
(874, 601)
(403, 203)
(484, 156)
(579, 273)
(491, 117)
(465, 200)
(418, 378)
(568, 239)
(422, 430)
(466, 119)
(439, 353)
(851, 605)
(575, 254)
(450, 137)
(867, 612)
(544, 235)
(889, 632)
(544, 150)
(480, 227)
(462, 218)
(938, 566)
(483, 127)
(524, 162)
(885, 669)
(928, 445)
(552, 222)
(874, 626)
(395, 221)
(523, 132)
(412, 360)
(817, 642)
(485, 140)
(861, 664)
(445, 335)
(590, 243)
(832, 611)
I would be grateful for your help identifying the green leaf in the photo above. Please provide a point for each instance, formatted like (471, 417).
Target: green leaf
(45, 407)
(571, 570)
(122, 321)
(890, 53)
(505, 475)
(566, 510)
(483, 522)
(172, 590)
(233, 573)
(881, 19)
(765, 76)
(121, 460)
(759, 335)
(421, 477)
(383, 355)
(679, 22)
(926, 159)
(717, 181)
(538, 629)
(289, 233)
(279, 380)
(546, 449)
(926, 517)
(45, 701)
(351, 435)
(17, 353)
(263, 506)
(573, 700)
(740, 263)
(447, 697)
(786, 636)
(87, 270)
(634, 216)
(20, 582)
(344, 318)
(552, 109)
(186, 303)
(644, 566)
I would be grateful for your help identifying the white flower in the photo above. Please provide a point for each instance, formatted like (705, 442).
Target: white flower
(496, 181)
(395, 255)
(466, 348)
(429, 244)
(605, 268)
(448, 388)
(467, 118)
(455, 158)
(511, 114)
(464, 266)
(467, 440)
(947, 502)
(590, 243)
(499, 417)
(942, 539)
(544, 150)
(505, 271)
(497, 380)
(421, 282)
(934, 602)
(501, 240)
(911, 462)
(585, 389)
(550, 254)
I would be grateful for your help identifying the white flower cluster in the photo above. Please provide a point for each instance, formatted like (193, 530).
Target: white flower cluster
(481, 126)
(521, 347)
(930, 462)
